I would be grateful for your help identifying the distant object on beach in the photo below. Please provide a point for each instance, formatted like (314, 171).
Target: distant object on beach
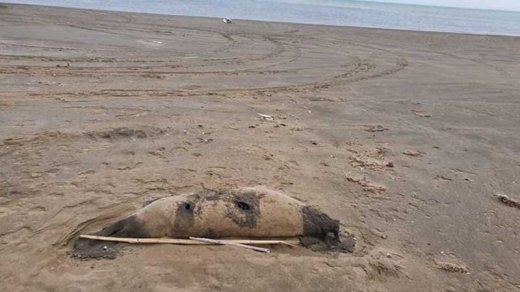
(227, 20)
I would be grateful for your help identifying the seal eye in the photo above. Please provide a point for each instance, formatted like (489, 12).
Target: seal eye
(243, 206)
(187, 206)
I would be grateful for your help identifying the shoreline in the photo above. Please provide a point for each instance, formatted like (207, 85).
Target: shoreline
(300, 23)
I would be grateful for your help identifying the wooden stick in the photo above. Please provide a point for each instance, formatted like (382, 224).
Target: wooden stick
(224, 242)
(292, 243)
(142, 240)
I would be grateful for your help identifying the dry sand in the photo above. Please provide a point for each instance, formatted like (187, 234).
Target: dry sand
(403, 136)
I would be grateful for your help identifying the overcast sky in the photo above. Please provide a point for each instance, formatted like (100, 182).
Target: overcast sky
(483, 4)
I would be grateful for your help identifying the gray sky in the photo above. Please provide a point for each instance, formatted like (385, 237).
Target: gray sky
(483, 4)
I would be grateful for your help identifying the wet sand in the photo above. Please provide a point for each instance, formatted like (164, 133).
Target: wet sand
(403, 136)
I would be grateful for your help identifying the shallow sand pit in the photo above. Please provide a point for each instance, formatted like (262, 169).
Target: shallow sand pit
(254, 213)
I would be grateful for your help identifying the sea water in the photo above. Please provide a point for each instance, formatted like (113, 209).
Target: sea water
(329, 12)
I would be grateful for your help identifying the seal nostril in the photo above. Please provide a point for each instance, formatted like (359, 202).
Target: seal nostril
(243, 205)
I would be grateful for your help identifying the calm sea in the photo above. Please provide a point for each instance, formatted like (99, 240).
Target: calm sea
(332, 12)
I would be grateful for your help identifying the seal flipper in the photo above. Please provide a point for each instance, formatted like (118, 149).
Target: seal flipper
(318, 224)
(321, 233)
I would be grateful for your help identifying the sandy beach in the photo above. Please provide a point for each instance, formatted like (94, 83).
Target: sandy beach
(405, 137)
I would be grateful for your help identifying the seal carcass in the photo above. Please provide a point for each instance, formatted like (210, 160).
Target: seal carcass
(248, 213)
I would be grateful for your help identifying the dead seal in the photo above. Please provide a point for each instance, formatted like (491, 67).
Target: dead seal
(247, 213)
